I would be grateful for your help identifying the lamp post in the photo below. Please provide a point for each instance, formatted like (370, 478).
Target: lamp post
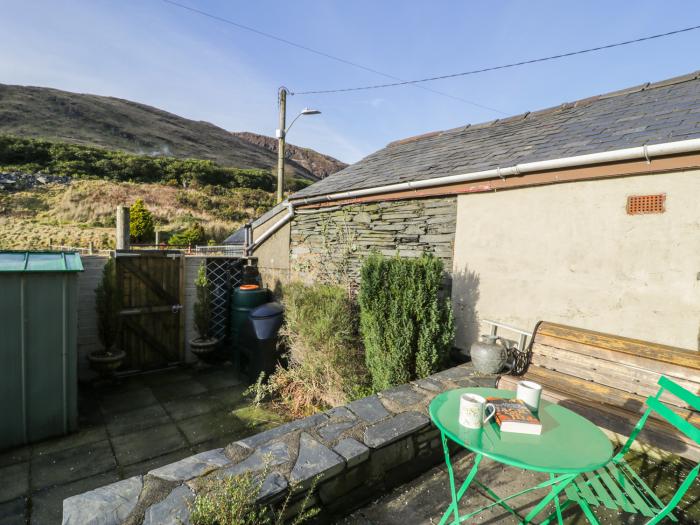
(282, 137)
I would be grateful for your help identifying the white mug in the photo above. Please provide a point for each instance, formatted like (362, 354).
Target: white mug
(529, 392)
(471, 410)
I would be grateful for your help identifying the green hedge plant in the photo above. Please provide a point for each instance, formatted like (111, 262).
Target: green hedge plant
(406, 321)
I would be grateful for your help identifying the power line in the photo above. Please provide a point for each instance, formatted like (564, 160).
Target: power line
(504, 66)
(323, 54)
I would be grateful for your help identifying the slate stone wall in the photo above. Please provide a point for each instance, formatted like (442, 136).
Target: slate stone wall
(356, 451)
(330, 243)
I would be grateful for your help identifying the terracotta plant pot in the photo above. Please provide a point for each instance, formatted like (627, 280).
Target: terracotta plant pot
(205, 349)
(106, 363)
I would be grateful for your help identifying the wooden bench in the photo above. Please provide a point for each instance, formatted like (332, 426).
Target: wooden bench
(607, 378)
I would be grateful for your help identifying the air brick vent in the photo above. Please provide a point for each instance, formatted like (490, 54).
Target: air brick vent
(645, 204)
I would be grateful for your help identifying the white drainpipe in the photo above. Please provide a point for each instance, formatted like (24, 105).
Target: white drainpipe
(641, 152)
(284, 220)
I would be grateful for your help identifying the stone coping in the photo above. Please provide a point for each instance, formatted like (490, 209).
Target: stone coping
(342, 448)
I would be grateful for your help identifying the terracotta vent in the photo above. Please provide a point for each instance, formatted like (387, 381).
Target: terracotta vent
(644, 204)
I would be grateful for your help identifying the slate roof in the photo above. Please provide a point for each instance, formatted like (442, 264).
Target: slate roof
(655, 113)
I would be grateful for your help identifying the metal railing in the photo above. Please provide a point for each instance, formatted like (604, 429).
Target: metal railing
(226, 250)
(523, 338)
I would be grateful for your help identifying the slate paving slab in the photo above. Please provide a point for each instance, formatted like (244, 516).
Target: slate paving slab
(402, 396)
(352, 451)
(14, 481)
(171, 391)
(112, 504)
(314, 460)
(212, 425)
(47, 504)
(192, 466)
(80, 438)
(148, 443)
(393, 429)
(15, 455)
(219, 379)
(192, 406)
(13, 512)
(125, 401)
(71, 464)
(370, 409)
(268, 455)
(256, 440)
(134, 420)
(149, 464)
(173, 510)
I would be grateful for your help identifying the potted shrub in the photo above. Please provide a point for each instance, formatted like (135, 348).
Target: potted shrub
(205, 344)
(107, 360)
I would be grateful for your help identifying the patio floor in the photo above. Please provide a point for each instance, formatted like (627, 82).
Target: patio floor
(128, 428)
(422, 501)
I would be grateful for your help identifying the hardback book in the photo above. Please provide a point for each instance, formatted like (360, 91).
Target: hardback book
(513, 415)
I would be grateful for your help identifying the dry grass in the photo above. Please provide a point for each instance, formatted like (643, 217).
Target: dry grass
(83, 211)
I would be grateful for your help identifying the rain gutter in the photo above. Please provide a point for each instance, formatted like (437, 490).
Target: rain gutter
(640, 152)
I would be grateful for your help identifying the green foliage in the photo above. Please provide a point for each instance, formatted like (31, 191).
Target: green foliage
(189, 237)
(141, 226)
(202, 307)
(406, 325)
(59, 158)
(232, 501)
(326, 363)
(108, 305)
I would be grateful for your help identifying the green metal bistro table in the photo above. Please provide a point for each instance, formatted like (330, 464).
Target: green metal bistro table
(568, 446)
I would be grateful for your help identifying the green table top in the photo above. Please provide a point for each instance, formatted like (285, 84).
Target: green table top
(569, 443)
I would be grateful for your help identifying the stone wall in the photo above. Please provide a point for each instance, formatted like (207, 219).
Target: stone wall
(330, 243)
(355, 452)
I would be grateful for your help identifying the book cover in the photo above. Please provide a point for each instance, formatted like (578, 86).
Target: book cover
(513, 415)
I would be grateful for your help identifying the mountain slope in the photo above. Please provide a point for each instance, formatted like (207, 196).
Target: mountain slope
(121, 124)
(317, 163)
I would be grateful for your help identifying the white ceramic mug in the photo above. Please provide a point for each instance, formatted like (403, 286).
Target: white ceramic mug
(530, 392)
(472, 408)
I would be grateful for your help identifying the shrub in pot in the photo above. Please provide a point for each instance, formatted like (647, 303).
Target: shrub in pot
(205, 344)
(107, 360)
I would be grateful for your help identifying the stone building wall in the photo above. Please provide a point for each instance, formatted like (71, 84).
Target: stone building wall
(330, 243)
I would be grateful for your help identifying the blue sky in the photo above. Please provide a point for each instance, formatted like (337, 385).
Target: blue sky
(155, 53)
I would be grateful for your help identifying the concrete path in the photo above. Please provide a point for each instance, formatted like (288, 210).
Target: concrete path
(125, 429)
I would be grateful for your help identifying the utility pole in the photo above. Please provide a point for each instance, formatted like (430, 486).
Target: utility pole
(281, 143)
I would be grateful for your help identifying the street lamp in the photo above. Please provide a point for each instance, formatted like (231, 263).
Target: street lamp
(281, 138)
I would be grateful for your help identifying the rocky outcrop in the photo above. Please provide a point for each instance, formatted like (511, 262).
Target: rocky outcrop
(318, 164)
(16, 180)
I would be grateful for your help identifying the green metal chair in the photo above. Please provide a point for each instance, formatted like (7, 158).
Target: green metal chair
(617, 486)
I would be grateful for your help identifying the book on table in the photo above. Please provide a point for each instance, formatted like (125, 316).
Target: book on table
(513, 415)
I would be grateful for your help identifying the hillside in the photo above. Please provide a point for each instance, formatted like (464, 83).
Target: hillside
(317, 163)
(82, 211)
(115, 123)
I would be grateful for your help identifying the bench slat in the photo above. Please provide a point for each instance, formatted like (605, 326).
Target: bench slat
(635, 347)
(613, 374)
(669, 369)
(599, 393)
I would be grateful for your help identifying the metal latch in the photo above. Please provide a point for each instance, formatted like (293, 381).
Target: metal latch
(176, 308)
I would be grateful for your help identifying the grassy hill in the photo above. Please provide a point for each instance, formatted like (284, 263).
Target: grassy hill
(82, 211)
(115, 123)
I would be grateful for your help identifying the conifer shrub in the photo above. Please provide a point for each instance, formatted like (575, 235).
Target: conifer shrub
(325, 360)
(405, 321)
(141, 224)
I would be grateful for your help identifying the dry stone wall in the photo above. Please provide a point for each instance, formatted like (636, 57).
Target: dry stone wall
(330, 243)
(354, 452)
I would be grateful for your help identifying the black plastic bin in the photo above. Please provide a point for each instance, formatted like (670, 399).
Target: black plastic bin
(260, 353)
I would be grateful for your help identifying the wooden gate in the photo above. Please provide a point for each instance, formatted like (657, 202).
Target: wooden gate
(152, 323)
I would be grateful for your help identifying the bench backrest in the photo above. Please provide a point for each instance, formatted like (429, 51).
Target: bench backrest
(630, 366)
